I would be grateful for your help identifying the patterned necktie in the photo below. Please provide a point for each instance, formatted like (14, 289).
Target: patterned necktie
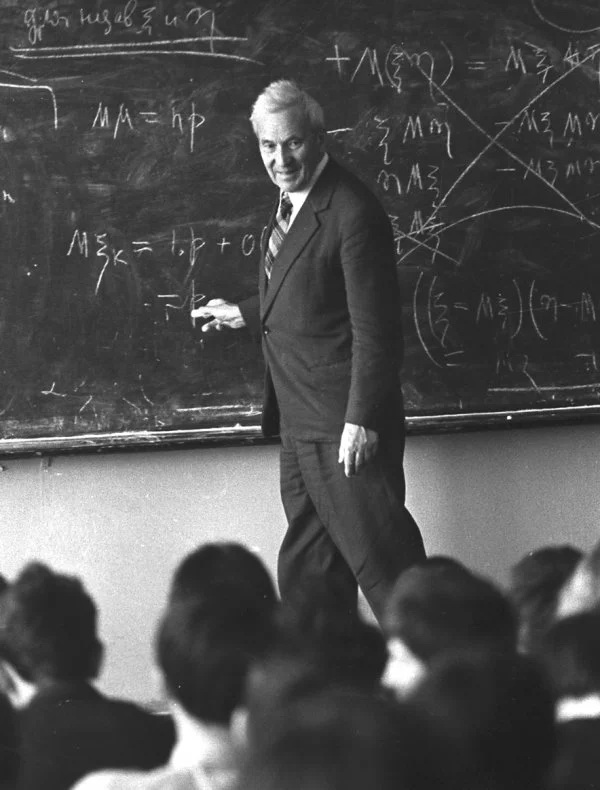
(278, 232)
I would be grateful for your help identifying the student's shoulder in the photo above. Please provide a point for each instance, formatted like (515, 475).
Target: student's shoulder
(141, 726)
(110, 780)
(165, 778)
(136, 713)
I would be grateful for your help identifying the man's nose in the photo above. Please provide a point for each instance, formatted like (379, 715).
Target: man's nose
(281, 155)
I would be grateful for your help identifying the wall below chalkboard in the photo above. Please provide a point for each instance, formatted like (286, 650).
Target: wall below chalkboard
(123, 521)
(131, 189)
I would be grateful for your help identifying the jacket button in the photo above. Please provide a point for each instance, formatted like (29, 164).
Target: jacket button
(266, 330)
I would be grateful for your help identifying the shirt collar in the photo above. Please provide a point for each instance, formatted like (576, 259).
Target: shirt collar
(571, 708)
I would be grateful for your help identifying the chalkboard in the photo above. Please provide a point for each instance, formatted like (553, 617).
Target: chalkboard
(131, 189)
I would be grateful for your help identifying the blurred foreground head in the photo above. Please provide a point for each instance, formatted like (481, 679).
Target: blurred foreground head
(437, 607)
(535, 585)
(204, 649)
(48, 627)
(501, 710)
(351, 741)
(226, 569)
(315, 622)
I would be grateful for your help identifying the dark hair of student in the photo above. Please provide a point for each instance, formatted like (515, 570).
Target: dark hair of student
(205, 648)
(315, 622)
(346, 740)
(223, 567)
(440, 606)
(501, 709)
(535, 583)
(571, 655)
(48, 626)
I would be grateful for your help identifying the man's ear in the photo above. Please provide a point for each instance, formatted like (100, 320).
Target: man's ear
(18, 690)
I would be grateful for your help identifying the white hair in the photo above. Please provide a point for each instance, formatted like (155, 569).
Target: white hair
(283, 94)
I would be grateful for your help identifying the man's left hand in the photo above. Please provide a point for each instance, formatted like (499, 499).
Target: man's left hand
(358, 445)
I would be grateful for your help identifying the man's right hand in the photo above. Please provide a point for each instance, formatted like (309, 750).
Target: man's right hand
(219, 314)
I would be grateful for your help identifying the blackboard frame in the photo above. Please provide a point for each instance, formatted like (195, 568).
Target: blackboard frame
(250, 435)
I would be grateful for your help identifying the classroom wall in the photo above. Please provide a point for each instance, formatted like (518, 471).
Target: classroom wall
(123, 520)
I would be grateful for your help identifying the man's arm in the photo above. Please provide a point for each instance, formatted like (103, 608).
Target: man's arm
(373, 305)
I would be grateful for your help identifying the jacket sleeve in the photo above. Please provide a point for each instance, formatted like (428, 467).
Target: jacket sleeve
(250, 311)
(367, 257)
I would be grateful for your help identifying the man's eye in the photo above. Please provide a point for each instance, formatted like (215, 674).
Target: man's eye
(294, 144)
(267, 146)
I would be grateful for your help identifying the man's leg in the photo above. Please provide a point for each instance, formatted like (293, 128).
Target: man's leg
(365, 515)
(307, 546)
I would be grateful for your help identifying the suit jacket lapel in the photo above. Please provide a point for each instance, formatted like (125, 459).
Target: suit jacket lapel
(262, 277)
(305, 225)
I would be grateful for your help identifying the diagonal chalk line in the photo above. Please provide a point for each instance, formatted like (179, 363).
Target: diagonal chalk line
(507, 208)
(495, 141)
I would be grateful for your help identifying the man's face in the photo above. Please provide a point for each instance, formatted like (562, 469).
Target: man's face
(290, 149)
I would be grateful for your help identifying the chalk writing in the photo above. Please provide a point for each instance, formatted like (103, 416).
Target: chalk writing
(122, 119)
(130, 18)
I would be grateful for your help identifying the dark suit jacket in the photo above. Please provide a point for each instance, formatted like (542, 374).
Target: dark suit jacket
(69, 730)
(330, 316)
(577, 760)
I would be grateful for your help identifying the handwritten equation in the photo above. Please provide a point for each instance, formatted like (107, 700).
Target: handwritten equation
(187, 246)
(158, 30)
(126, 133)
(131, 16)
(121, 119)
(429, 176)
(457, 327)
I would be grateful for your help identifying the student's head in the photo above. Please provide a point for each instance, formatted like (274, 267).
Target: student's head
(438, 607)
(536, 581)
(223, 568)
(316, 622)
(48, 627)
(572, 655)
(289, 126)
(350, 741)
(581, 591)
(318, 645)
(204, 650)
(276, 684)
(500, 708)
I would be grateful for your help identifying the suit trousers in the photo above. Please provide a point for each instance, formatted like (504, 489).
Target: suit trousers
(353, 530)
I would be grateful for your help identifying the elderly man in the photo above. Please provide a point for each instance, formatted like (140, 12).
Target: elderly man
(328, 311)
